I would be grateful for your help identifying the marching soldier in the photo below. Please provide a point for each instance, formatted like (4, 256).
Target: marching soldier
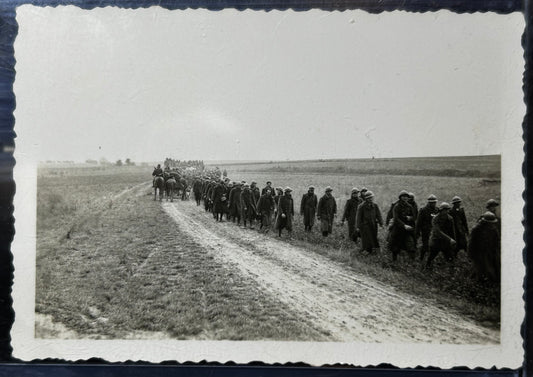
(423, 223)
(308, 208)
(326, 211)
(249, 210)
(285, 212)
(367, 219)
(234, 203)
(485, 247)
(350, 212)
(461, 226)
(255, 191)
(265, 208)
(442, 236)
(403, 227)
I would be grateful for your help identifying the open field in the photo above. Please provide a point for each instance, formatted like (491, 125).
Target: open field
(470, 166)
(112, 263)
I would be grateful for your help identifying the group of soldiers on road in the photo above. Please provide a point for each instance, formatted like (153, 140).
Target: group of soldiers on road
(442, 228)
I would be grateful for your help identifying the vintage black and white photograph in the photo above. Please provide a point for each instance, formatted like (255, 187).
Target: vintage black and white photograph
(278, 186)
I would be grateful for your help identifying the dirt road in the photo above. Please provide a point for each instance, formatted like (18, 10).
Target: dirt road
(350, 307)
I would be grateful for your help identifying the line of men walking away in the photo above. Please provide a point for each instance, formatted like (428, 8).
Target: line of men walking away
(442, 229)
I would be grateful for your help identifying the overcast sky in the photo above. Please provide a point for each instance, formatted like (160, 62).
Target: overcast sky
(196, 84)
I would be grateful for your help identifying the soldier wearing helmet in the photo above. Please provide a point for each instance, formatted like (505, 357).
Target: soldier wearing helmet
(492, 206)
(367, 219)
(248, 205)
(423, 223)
(402, 235)
(285, 212)
(308, 208)
(350, 213)
(485, 249)
(461, 226)
(442, 237)
(326, 211)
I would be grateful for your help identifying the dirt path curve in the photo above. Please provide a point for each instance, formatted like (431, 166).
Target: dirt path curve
(349, 306)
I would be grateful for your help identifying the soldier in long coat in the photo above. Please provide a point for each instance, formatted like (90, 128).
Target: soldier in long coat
(308, 208)
(219, 199)
(248, 203)
(402, 235)
(485, 248)
(265, 209)
(255, 191)
(367, 219)
(424, 223)
(350, 212)
(197, 190)
(235, 204)
(285, 212)
(461, 226)
(442, 237)
(277, 196)
(326, 211)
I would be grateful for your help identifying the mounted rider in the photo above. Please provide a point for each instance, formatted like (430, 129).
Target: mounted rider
(158, 172)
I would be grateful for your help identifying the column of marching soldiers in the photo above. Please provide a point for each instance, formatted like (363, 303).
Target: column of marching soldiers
(442, 228)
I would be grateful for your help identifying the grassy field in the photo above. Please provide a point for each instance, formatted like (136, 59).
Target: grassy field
(471, 166)
(478, 300)
(111, 265)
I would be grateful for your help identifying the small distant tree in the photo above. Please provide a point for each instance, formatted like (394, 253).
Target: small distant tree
(118, 163)
(129, 162)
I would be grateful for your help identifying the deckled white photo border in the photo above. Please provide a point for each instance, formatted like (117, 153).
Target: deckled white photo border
(508, 354)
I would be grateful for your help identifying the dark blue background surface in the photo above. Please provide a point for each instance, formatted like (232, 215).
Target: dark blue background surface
(8, 32)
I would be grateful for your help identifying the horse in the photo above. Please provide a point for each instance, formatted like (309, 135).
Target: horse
(159, 183)
(170, 188)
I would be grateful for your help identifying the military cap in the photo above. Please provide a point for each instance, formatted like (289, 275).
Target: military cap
(489, 217)
(269, 182)
(369, 194)
(492, 203)
(226, 179)
(355, 189)
(328, 189)
(444, 205)
(364, 189)
(403, 193)
(311, 188)
(279, 189)
(253, 182)
(243, 182)
(288, 189)
(246, 185)
(456, 199)
(411, 195)
(432, 199)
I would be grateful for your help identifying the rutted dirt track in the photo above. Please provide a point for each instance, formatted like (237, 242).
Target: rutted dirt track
(349, 306)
